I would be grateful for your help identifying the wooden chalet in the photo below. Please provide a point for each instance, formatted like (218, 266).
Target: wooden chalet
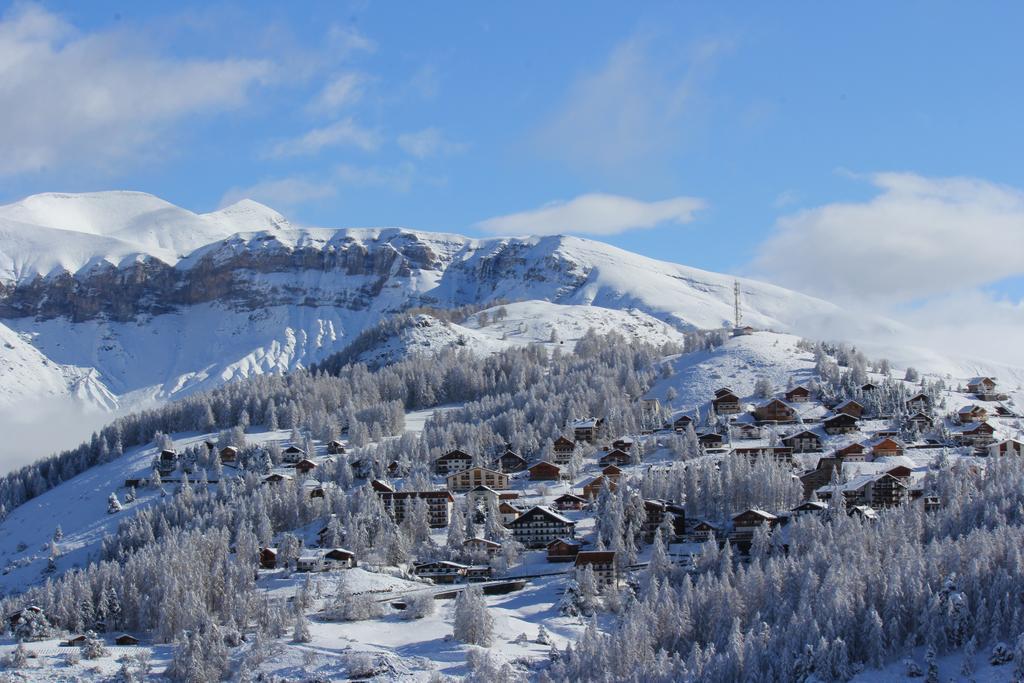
(978, 435)
(851, 408)
(745, 523)
(540, 525)
(305, 466)
(805, 441)
(972, 413)
(453, 461)
(868, 388)
(704, 531)
(798, 394)
(920, 422)
(602, 562)
(335, 447)
(126, 640)
(508, 512)
(510, 461)
(919, 403)
(545, 471)
(589, 429)
(479, 572)
(481, 546)
(745, 430)
(24, 614)
(840, 423)
(655, 512)
(381, 486)
(570, 501)
(887, 447)
(877, 490)
(809, 507)
(682, 422)
(592, 489)
(276, 478)
(813, 480)
(711, 440)
(775, 410)
(1007, 447)
(228, 454)
(615, 457)
(268, 558)
(726, 402)
(310, 562)
(984, 388)
(613, 472)
(339, 558)
(440, 571)
(482, 496)
(166, 462)
(562, 450)
(399, 504)
(865, 512)
(292, 454)
(563, 549)
(855, 452)
(623, 444)
(464, 480)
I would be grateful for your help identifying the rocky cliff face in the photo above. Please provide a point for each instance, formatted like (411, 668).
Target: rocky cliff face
(148, 300)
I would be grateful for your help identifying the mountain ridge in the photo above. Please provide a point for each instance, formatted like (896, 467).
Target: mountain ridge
(166, 302)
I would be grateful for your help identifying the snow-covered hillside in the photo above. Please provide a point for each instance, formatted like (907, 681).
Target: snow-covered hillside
(112, 298)
(159, 300)
(517, 324)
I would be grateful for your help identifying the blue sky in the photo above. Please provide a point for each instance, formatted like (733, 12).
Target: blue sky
(742, 138)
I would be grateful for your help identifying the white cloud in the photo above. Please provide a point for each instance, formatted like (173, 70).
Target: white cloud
(594, 214)
(345, 40)
(633, 109)
(427, 143)
(99, 99)
(281, 192)
(918, 237)
(343, 90)
(345, 132)
(398, 178)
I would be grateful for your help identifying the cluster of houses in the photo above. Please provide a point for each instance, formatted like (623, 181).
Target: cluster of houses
(745, 434)
(871, 474)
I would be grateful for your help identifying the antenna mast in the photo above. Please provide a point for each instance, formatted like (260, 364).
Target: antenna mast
(736, 299)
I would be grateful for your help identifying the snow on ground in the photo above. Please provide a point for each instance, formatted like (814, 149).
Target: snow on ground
(416, 419)
(79, 506)
(949, 666)
(736, 365)
(530, 322)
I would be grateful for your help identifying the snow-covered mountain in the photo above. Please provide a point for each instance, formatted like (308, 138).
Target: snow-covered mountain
(113, 298)
(143, 296)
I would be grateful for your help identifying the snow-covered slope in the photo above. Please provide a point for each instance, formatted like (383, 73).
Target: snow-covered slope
(516, 324)
(66, 232)
(111, 297)
(736, 365)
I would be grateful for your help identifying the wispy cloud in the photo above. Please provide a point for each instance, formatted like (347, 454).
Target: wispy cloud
(340, 91)
(345, 132)
(594, 214)
(633, 108)
(103, 98)
(398, 178)
(344, 41)
(918, 237)
(428, 142)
